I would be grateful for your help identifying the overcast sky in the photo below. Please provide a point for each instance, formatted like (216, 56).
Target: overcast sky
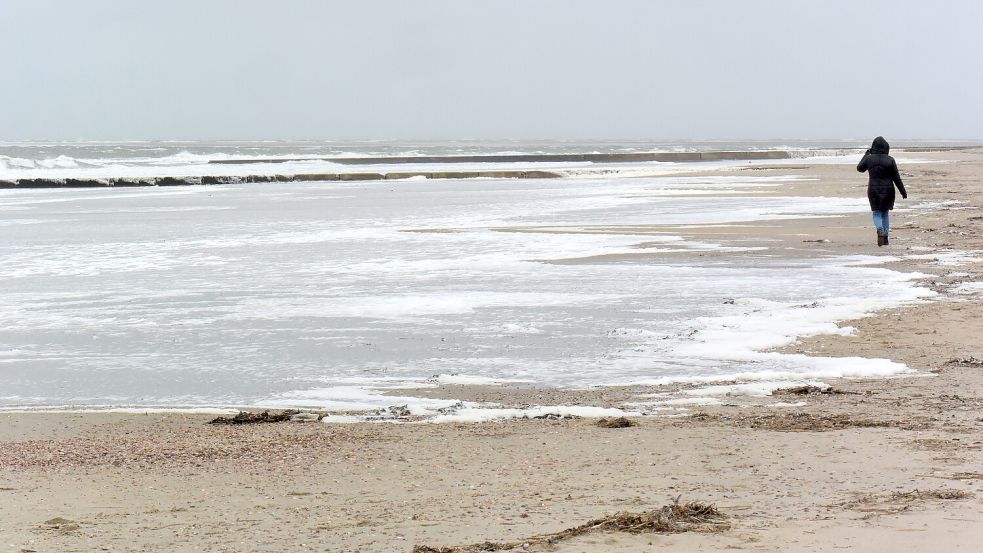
(433, 69)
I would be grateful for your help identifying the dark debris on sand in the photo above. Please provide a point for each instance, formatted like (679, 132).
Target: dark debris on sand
(553, 417)
(61, 525)
(616, 422)
(965, 362)
(671, 519)
(245, 417)
(810, 390)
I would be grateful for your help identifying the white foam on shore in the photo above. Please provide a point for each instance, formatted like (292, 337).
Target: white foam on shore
(353, 398)
(799, 367)
(472, 380)
(687, 401)
(742, 338)
(386, 408)
(714, 395)
(948, 258)
(486, 414)
(709, 395)
(974, 287)
(751, 389)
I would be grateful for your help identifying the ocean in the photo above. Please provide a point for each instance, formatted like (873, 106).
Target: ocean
(327, 294)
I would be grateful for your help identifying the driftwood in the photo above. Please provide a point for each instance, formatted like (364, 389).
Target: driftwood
(245, 417)
(671, 519)
(619, 422)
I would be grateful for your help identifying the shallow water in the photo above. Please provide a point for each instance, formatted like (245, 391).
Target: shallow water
(315, 294)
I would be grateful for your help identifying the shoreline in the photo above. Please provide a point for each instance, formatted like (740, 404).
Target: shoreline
(531, 172)
(882, 465)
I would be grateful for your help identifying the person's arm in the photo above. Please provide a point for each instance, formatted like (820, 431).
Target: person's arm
(896, 177)
(862, 166)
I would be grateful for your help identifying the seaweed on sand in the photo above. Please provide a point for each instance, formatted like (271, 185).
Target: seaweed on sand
(899, 502)
(810, 390)
(61, 525)
(616, 422)
(245, 417)
(804, 422)
(674, 518)
(553, 417)
(971, 361)
(930, 494)
(966, 475)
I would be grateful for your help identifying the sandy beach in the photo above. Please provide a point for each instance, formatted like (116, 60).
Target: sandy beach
(891, 464)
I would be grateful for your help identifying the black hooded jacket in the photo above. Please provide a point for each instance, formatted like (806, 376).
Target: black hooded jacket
(884, 176)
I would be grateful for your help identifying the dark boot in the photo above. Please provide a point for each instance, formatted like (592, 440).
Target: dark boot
(886, 243)
(881, 238)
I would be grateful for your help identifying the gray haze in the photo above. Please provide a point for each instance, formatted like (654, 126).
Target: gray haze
(445, 69)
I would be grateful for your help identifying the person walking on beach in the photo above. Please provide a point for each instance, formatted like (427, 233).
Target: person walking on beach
(884, 176)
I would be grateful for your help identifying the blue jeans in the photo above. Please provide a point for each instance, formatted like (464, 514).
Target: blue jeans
(882, 221)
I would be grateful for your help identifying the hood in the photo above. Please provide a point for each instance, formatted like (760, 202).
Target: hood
(880, 146)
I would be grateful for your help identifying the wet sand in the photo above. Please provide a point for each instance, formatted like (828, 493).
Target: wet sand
(888, 465)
